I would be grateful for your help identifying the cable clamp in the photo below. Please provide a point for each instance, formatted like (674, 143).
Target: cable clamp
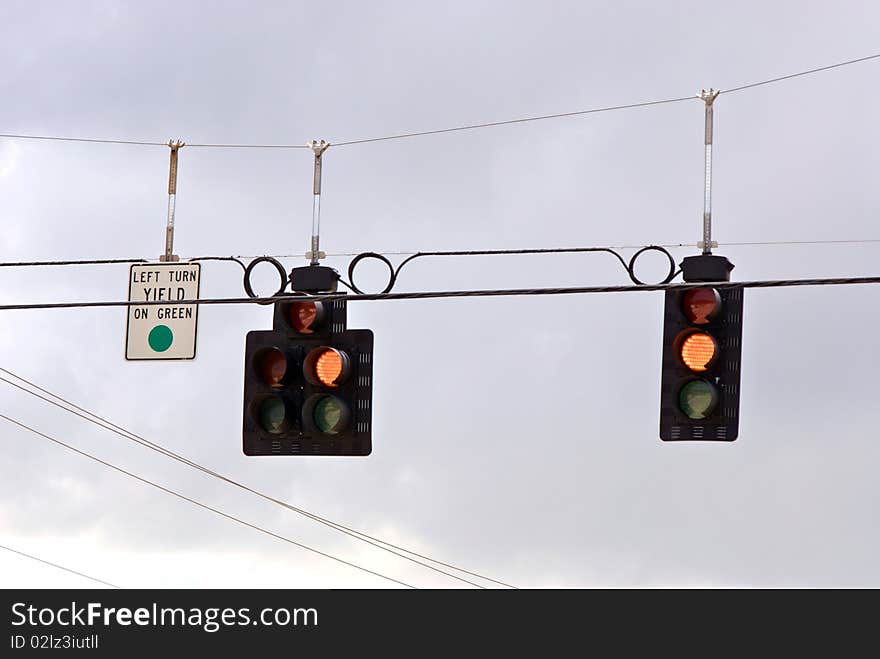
(708, 97)
(321, 255)
(318, 147)
(702, 244)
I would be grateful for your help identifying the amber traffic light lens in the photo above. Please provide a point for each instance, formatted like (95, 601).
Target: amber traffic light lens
(326, 367)
(697, 399)
(305, 317)
(271, 366)
(701, 305)
(698, 350)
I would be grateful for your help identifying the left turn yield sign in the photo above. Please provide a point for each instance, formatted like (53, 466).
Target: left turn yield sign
(159, 332)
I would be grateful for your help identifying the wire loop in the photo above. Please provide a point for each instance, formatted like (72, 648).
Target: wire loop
(393, 272)
(282, 274)
(630, 269)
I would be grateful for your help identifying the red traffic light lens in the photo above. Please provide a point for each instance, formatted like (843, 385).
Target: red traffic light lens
(305, 317)
(701, 305)
(697, 350)
(697, 399)
(327, 367)
(271, 366)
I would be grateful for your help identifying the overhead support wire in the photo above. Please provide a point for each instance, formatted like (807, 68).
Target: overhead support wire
(427, 295)
(770, 81)
(523, 120)
(452, 129)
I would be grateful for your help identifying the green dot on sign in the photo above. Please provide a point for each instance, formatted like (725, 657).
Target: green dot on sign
(160, 338)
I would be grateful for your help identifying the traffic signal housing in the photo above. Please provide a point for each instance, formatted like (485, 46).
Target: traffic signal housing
(308, 383)
(702, 342)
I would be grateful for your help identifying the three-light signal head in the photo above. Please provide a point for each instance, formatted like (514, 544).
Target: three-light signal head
(697, 350)
(702, 332)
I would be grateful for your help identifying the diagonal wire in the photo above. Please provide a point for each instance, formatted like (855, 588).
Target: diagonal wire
(202, 505)
(358, 535)
(81, 139)
(60, 567)
(522, 120)
(799, 74)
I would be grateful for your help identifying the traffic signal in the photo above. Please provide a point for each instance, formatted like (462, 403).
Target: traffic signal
(308, 383)
(702, 336)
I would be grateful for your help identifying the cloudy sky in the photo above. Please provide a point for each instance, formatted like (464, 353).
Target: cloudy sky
(516, 437)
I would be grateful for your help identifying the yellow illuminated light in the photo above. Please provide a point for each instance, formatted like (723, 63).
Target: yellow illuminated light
(697, 351)
(328, 368)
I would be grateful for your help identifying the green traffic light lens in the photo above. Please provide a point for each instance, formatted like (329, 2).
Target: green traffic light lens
(272, 415)
(330, 415)
(697, 399)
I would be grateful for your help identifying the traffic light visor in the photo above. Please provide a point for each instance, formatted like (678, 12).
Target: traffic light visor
(697, 350)
(701, 305)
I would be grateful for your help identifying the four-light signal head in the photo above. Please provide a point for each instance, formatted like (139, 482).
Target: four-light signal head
(308, 383)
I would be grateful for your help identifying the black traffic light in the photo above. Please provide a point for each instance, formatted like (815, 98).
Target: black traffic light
(702, 337)
(308, 383)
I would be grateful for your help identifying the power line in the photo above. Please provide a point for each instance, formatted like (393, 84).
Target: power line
(127, 434)
(578, 249)
(60, 567)
(203, 505)
(560, 250)
(452, 129)
(426, 295)
(29, 264)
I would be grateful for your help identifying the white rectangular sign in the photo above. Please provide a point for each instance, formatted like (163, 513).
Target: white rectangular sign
(162, 332)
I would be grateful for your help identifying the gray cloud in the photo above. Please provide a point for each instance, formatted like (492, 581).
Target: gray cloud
(513, 436)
